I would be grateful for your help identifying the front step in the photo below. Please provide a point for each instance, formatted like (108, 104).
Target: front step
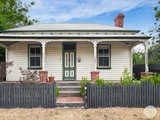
(69, 93)
(69, 88)
(68, 83)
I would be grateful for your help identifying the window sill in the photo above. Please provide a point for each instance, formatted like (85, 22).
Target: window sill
(39, 68)
(104, 68)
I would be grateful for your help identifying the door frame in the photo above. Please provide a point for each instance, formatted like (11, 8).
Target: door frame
(75, 67)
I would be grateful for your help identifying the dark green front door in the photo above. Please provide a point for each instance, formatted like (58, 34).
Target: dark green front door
(69, 61)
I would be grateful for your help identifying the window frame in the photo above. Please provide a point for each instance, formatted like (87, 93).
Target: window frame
(109, 56)
(29, 56)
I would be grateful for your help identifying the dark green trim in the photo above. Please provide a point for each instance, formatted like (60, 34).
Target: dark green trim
(75, 37)
(9, 31)
(34, 68)
(104, 68)
(107, 67)
(63, 60)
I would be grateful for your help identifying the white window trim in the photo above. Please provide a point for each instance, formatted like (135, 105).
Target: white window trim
(35, 46)
(109, 55)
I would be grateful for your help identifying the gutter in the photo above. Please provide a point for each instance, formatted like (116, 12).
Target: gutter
(74, 36)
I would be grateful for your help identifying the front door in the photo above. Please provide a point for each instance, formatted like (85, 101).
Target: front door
(69, 61)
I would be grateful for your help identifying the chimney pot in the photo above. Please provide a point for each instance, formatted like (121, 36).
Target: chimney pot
(119, 20)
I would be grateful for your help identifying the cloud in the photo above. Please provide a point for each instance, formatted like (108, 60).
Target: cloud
(64, 10)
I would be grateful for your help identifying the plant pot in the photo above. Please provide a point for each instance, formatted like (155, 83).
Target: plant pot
(51, 79)
(94, 76)
(43, 75)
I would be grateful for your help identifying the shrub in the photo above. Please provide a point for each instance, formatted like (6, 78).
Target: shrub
(28, 75)
(3, 71)
(83, 81)
(154, 79)
(57, 91)
(109, 83)
(136, 82)
(100, 82)
(126, 79)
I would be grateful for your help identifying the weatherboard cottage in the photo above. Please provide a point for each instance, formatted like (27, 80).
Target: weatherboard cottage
(72, 51)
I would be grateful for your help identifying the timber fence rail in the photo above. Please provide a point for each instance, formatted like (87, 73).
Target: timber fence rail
(122, 96)
(27, 95)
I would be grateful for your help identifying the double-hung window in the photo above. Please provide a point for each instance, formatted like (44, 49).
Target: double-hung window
(104, 56)
(35, 56)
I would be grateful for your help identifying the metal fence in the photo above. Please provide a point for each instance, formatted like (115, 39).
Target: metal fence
(27, 95)
(137, 69)
(122, 96)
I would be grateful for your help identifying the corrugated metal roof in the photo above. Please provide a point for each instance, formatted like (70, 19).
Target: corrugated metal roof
(68, 26)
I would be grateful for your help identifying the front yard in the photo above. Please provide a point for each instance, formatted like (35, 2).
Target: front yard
(75, 114)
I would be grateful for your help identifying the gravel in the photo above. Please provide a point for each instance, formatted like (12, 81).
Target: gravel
(115, 113)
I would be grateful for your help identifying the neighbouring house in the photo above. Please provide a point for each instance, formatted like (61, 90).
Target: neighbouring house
(70, 51)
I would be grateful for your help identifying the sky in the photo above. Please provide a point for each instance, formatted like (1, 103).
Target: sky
(139, 14)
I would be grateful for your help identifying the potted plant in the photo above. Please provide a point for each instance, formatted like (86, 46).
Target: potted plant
(51, 78)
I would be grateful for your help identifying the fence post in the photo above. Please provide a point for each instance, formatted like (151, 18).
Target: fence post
(54, 84)
(85, 95)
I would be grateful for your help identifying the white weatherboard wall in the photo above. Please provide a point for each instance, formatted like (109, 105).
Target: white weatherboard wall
(120, 58)
(18, 54)
(54, 59)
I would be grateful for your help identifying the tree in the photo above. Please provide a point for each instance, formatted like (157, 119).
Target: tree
(2, 54)
(156, 30)
(138, 57)
(154, 49)
(13, 13)
(154, 54)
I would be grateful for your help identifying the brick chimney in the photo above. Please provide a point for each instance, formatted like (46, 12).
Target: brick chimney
(119, 20)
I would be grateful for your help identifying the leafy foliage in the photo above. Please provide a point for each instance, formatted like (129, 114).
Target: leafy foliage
(156, 30)
(154, 79)
(136, 82)
(57, 91)
(83, 81)
(109, 83)
(3, 72)
(154, 54)
(157, 10)
(100, 82)
(2, 54)
(14, 14)
(126, 78)
(138, 57)
(28, 75)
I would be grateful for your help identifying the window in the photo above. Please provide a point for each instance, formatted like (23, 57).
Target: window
(35, 56)
(104, 53)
